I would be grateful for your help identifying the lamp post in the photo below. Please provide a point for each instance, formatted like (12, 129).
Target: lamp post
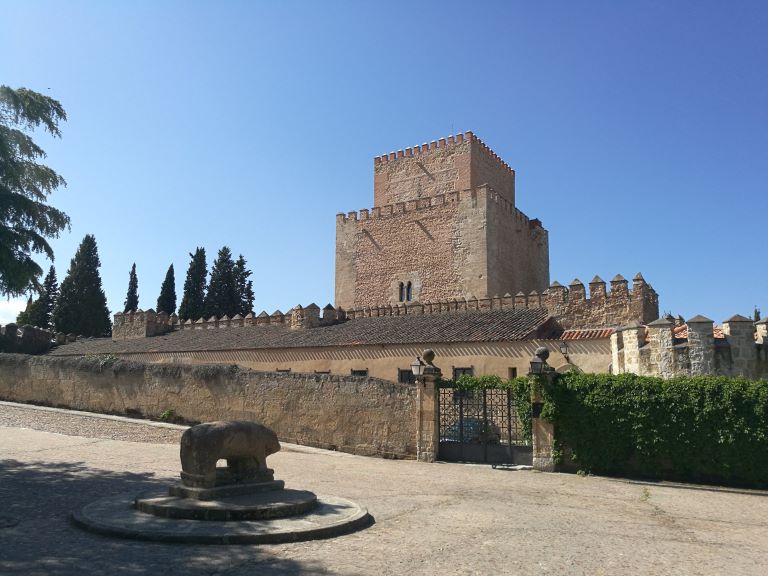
(417, 367)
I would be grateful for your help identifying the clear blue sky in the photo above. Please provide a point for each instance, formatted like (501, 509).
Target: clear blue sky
(638, 130)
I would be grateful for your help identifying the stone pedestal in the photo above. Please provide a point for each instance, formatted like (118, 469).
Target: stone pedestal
(239, 504)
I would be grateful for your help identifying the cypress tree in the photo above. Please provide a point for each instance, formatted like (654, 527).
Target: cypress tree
(166, 302)
(223, 295)
(132, 298)
(193, 301)
(82, 306)
(39, 313)
(244, 287)
(23, 318)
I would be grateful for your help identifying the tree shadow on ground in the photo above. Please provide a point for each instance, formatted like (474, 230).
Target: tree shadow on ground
(37, 498)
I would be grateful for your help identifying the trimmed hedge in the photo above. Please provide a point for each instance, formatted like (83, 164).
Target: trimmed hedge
(702, 429)
(520, 388)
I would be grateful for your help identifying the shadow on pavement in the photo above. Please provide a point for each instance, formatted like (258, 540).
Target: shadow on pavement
(36, 499)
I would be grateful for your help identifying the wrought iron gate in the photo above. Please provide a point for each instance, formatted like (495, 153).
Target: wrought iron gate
(482, 426)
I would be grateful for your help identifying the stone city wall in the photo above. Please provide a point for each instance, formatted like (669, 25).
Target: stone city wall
(25, 339)
(570, 307)
(458, 162)
(145, 323)
(654, 350)
(357, 415)
(616, 307)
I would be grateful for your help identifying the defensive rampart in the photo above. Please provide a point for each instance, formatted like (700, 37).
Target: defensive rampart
(25, 339)
(569, 306)
(655, 351)
(358, 415)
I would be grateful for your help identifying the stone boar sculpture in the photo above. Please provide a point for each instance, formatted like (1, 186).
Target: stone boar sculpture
(244, 445)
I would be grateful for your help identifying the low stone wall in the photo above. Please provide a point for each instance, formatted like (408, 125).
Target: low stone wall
(358, 415)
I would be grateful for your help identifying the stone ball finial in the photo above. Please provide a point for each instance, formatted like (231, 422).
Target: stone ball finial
(428, 355)
(542, 352)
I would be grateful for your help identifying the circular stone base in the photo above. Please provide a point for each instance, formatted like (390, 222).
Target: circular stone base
(116, 516)
(258, 506)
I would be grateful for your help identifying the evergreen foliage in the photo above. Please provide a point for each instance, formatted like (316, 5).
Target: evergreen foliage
(26, 221)
(40, 312)
(701, 429)
(132, 298)
(166, 302)
(82, 306)
(24, 316)
(223, 295)
(193, 300)
(244, 287)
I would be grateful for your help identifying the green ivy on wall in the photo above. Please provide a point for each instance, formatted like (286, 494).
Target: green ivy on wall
(701, 429)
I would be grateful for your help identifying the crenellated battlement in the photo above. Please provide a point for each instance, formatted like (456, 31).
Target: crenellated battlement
(451, 140)
(439, 201)
(140, 324)
(605, 308)
(457, 162)
(739, 348)
(569, 306)
(25, 339)
(143, 324)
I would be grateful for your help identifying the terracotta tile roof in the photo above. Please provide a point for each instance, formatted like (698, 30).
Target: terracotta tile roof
(681, 332)
(587, 334)
(471, 326)
(558, 333)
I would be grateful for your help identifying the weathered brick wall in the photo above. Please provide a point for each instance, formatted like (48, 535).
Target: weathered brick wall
(438, 244)
(617, 307)
(450, 164)
(456, 245)
(445, 221)
(358, 415)
(518, 250)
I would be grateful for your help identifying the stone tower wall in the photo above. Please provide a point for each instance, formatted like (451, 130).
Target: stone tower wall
(436, 243)
(517, 250)
(456, 163)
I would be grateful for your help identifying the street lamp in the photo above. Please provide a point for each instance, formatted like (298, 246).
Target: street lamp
(537, 366)
(564, 350)
(417, 367)
(539, 361)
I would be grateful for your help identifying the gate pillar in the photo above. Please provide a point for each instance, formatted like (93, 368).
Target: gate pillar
(543, 431)
(427, 395)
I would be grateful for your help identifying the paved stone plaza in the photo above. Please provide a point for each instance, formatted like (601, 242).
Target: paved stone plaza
(430, 518)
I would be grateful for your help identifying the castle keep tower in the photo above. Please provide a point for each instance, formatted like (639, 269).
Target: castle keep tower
(444, 225)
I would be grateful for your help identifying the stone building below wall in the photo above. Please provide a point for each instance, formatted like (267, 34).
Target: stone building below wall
(478, 336)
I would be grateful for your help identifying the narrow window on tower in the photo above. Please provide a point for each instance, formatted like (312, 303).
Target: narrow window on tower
(402, 292)
(408, 292)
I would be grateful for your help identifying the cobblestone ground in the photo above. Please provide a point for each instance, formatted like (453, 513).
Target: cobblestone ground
(430, 518)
